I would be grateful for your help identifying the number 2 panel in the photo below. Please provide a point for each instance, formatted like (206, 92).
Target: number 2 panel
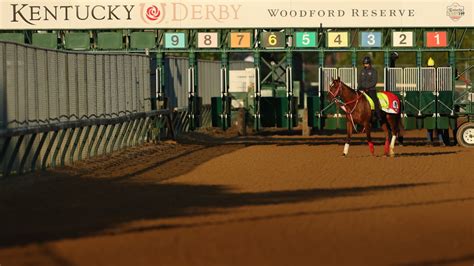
(403, 39)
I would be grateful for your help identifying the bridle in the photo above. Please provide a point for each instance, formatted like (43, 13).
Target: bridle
(345, 105)
(340, 103)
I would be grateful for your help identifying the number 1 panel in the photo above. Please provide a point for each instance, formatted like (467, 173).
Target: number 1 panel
(435, 39)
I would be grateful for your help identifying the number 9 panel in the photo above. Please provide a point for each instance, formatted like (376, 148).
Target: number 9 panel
(175, 40)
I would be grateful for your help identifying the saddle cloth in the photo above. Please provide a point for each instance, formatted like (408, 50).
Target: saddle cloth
(389, 102)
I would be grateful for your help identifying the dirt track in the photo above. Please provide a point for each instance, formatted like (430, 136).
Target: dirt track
(263, 200)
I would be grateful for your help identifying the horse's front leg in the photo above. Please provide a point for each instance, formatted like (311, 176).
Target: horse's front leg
(367, 128)
(348, 138)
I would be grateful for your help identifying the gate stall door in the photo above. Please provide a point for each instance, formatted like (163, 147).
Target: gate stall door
(428, 85)
(444, 103)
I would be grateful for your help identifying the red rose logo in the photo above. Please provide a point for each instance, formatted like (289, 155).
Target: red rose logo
(152, 13)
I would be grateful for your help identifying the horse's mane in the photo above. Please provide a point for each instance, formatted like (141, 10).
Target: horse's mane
(344, 84)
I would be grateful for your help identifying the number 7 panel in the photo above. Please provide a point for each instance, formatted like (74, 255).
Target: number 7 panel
(240, 40)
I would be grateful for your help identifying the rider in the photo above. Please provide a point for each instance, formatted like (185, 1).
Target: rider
(367, 80)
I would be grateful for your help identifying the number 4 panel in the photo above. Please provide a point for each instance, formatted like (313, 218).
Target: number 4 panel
(403, 39)
(338, 39)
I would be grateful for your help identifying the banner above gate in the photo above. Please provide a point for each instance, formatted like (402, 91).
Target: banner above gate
(191, 14)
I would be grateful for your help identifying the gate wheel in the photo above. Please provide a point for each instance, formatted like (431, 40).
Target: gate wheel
(465, 135)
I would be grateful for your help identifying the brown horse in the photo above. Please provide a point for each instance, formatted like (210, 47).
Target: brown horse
(358, 112)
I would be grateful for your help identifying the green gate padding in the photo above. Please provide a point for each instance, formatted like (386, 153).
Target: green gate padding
(77, 41)
(12, 37)
(109, 41)
(267, 112)
(282, 118)
(217, 109)
(314, 108)
(196, 104)
(411, 103)
(427, 103)
(445, 102)
(142, 40)
(45, 40)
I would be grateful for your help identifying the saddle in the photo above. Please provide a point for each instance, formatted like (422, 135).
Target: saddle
(389, 102)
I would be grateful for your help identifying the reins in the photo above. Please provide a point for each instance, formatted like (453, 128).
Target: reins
(345, 105)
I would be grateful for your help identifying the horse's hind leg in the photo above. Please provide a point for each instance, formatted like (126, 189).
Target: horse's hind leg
(387, 141)
(394, 124)
(348, 139)
(367, 128)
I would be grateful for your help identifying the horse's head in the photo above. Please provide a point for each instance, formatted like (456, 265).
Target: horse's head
(335, 88)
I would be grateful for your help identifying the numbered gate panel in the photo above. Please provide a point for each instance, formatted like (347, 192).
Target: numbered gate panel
(306, 39)
(175, 40)
(273, 40)
(207, 40)
(370, 39)
(337, 39)
(404, 39)
(240, 40)
(436, 39)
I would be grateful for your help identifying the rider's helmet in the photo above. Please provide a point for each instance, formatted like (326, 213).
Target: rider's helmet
(431, 62)
(367, 60)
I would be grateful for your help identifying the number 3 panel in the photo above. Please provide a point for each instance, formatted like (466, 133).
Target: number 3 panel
(403, 39)
(370, 39)
(175, 40)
